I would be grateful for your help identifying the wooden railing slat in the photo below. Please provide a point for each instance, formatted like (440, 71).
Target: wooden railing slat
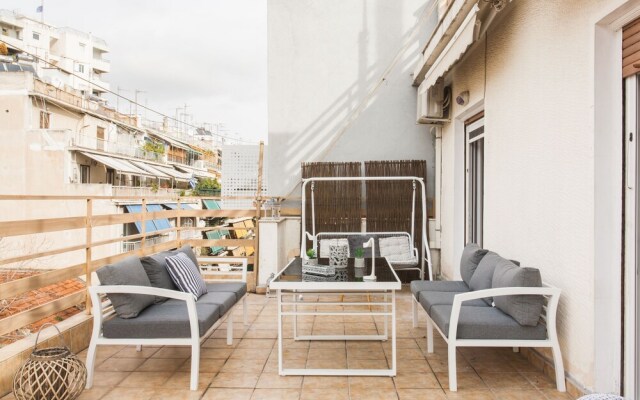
(26, 227)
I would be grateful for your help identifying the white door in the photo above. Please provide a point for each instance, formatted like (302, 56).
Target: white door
(474, 135)
(632, 239)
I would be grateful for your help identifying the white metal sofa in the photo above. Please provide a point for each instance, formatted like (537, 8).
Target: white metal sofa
(466, 316)
(179, 321)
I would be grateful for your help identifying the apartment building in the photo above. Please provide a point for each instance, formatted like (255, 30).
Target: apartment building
(79, 56)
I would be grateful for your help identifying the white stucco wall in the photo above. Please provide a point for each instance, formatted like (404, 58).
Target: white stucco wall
(325, 57)
(540, 158)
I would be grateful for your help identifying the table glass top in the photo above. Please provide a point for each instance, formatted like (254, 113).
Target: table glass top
(293, 272)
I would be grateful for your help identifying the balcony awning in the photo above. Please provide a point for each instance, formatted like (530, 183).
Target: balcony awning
(196, 172)
(174, 173)
(151, 169)
(174, 206)
(443, 35)
(150, 226)
(211, 205)
(121, 165)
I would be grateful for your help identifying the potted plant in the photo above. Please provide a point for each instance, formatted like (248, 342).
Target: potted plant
(311, 257)
(359, 257)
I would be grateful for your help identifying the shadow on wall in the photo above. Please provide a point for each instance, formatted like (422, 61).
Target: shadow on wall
(363, 102)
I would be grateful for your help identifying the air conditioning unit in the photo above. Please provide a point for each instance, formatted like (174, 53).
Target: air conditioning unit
(431, 104)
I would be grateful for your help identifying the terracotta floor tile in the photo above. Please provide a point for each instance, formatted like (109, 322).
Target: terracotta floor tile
(369, 382)
(328, 344)
(161, 364)
(227, 394)
(327, 354)
(505, 380)
(421, 394)
(182, 380)
(539, 380)
(552, 394)
(366, 354)
(223, 353)
(372, 394)
(518, 394)
(178, 394)
(251, 354)
(108, 378)
(120, 364)
(235, 380)
(416, 381)
(256, 343)
(328, 393)
(131, 352)
(219, 344)
(367, 364)
(471, 394)
(123, 393)
(272, 380)
(339, 363)
(95, 393)
(320, 382)
(466, 380)
(145, 379)
(243, 365)
(173, 352)
(276, 394)
(206, 365)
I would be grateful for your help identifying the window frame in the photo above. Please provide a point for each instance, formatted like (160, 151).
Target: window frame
(85, 167)
(474, 132)
(45, 119)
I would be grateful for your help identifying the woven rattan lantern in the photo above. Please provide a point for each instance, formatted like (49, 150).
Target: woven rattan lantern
(52, 373)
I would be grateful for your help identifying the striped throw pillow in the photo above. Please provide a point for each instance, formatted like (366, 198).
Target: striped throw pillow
(186, 275)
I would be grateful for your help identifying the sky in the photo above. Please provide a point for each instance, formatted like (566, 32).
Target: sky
(209, 54)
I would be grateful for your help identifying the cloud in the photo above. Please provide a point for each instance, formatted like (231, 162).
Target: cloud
(211, 55)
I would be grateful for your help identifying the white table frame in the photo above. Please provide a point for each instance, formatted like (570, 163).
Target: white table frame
(294, 289)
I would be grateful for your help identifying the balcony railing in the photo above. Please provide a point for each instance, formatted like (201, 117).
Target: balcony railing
(131, 149)
(143, 191)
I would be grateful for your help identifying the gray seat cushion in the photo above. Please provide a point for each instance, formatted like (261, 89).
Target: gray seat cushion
(162, 321)
(471, 257)
(155, 266)
(438, 286)
(483, 277)
(525, 309)
(239, 288)
(225, 300)
(485, 323)
(429, 299)
(126, 272)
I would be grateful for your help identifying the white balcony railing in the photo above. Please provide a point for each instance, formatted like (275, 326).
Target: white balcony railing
(126, 149)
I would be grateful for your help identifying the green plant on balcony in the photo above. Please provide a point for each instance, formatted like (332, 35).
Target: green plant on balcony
(207, 187)
(153, 147)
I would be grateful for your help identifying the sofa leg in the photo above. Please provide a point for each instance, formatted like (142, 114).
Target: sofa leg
(244, 311)
(230, 328)
(559, 366)
(516, 349)
(453, 379)
(91, 364)
(195, 365)
(429, 335)
(139, 347)
(414, 311)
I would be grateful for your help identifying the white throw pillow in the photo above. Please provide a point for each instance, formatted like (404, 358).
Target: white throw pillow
(396, 248)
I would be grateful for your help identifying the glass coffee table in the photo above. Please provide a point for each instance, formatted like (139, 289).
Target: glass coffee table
(378, 299)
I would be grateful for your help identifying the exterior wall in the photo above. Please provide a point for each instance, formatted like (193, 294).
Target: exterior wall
(324, 58)
(539, 158)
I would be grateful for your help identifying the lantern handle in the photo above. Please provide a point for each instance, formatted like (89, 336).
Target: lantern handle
(64, 344)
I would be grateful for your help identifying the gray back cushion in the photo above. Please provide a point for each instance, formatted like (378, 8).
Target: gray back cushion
(186, 249)
(155, 266)
(483, 277)
(471, 256)
(126, 272)
(525, 309)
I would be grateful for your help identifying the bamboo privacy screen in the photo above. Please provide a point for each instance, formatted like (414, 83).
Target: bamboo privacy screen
(337, 204)
(389, 203)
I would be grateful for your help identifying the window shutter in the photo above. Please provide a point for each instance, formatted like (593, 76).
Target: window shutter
(631, 49)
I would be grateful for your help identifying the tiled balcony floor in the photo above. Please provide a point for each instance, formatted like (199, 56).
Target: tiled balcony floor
(248, 368)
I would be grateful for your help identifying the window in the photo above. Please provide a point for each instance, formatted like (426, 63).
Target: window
(81, 68)
(111, 174)
(84, 174)
(474, 133)
(35, 35)
(45, 120)
(100, 137)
